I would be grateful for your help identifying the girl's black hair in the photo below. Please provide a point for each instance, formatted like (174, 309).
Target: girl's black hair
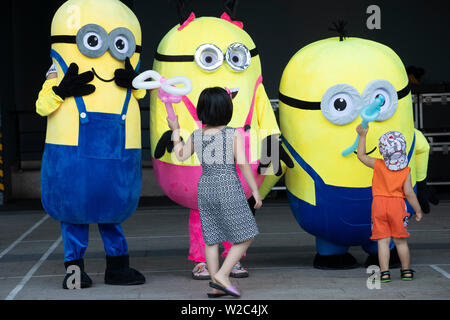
(214, 107)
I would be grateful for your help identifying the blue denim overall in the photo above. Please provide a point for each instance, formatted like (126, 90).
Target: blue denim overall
(98, 181)
(341, 217)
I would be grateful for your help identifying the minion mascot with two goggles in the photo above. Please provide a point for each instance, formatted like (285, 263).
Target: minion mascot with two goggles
(210, 52)
(323, 91)
(91, 167)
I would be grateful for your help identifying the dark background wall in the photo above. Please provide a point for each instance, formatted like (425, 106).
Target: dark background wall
(417, 30)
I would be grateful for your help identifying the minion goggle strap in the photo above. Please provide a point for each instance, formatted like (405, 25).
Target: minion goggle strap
(313, 105)
(342, 103)
(209, 57)
(93, 41)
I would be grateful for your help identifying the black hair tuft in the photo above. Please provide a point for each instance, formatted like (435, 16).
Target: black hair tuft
(182, 10)
(230, 7)
(339, 27)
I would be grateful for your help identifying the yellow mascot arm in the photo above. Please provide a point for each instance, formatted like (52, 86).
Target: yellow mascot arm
(139, 94)
(48, 101)
(422, 153)
(265, 115)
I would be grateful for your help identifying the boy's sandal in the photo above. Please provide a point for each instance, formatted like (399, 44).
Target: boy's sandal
(385, 276)
(407, 274)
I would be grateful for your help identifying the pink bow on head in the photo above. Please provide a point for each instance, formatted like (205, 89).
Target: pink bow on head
(188, 20)
(225, 16)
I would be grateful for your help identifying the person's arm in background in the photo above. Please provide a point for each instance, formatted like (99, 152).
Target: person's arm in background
(241, 160)
(362, 156)
(412, 198)
(425, 193)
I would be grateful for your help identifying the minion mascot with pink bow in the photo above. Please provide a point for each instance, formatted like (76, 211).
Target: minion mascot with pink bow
(210, 52)
(91, 167)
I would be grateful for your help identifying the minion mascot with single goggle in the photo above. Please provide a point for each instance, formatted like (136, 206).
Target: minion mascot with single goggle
(324, 90)
(210, 52)
(91, 167)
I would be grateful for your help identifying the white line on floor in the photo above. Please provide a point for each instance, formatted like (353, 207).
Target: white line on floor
(440, 270)
(189, 270)
(31, 272)
(23, 236)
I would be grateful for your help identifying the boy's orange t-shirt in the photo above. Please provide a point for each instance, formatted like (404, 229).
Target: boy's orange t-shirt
(388, 183)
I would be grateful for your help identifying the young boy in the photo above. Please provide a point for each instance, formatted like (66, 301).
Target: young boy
(391, 184)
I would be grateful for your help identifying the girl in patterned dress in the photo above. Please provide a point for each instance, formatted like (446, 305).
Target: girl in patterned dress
(224, 211)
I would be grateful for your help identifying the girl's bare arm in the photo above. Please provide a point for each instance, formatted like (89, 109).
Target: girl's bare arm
(241, 160)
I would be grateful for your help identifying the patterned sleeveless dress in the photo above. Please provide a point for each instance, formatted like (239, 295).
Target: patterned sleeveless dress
(224, 211)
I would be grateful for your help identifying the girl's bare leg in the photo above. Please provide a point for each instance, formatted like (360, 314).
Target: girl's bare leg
(212, 261)
(234, 255)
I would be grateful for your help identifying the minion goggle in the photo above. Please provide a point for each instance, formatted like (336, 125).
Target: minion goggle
(209, 57)
(93, 41)
(342, 103)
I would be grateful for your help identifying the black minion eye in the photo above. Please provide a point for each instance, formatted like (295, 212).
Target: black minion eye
(208, 59)
(120, 44)
(340, 104)
(384, 101)
(92, 41)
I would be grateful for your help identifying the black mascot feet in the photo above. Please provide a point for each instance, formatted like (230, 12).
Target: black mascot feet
(85, 281)
(118, 272)
(335, 262)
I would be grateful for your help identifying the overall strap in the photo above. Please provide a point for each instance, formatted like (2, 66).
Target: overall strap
(302, 163)
(123, 113)
(78, 100)
(413, 145)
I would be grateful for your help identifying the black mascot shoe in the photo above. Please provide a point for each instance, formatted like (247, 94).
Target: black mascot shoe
(85, 281)
(394, 260)
(118, 272)
(335, 262)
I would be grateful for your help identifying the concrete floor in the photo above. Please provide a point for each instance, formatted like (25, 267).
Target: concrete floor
(279, 261)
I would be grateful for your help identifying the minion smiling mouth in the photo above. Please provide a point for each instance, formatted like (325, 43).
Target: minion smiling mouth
(367, 153)
(100, 78)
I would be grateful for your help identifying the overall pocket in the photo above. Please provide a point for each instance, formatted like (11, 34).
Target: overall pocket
(103, 137)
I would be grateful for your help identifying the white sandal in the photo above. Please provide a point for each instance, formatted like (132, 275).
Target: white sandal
(239, 271)
(200, 272)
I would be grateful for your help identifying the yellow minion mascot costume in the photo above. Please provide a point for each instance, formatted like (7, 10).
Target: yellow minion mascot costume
(210, 52)
(91, 167)
(323, 91)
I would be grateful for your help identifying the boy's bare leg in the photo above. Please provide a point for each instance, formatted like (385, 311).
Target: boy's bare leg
(403, 252)
(234, 255)
(212, 261)
(384, 253)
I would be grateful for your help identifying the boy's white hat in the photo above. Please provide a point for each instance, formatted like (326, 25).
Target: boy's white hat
(392, 147)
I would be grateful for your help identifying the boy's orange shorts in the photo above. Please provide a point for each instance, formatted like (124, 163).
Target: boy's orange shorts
(389, 218)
